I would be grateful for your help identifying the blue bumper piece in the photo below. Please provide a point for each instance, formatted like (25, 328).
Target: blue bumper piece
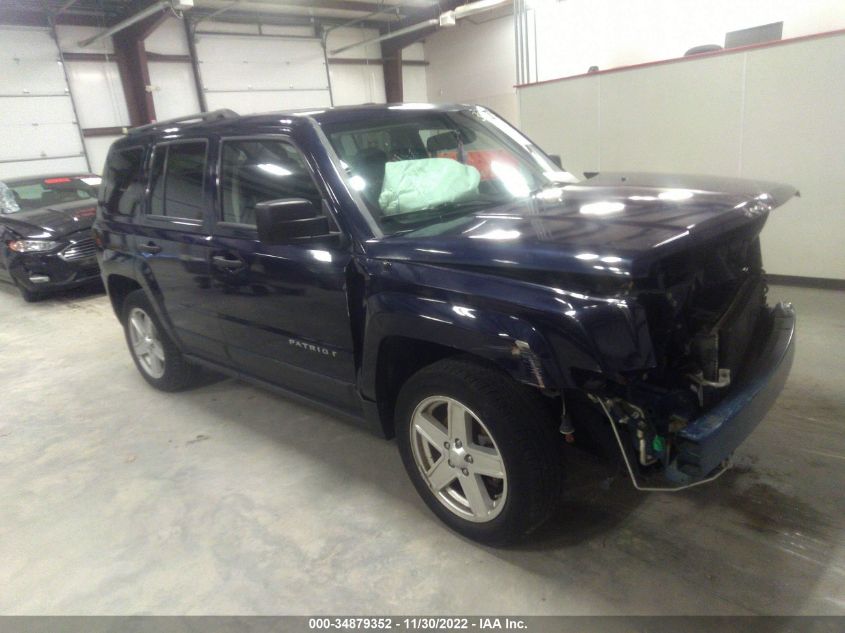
(704, 444)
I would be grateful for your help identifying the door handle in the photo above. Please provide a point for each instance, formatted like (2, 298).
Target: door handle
(150, 247)
(227, 263)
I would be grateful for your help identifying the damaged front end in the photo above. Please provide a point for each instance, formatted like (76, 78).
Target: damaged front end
(722, 357)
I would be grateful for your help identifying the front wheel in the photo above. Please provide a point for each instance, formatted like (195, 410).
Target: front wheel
(30, 296)
(156, 356)
(480, 449)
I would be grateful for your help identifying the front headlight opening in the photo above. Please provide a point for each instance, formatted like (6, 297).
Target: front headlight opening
(32, 246)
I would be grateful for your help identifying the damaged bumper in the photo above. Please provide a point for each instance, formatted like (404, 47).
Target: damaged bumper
(704, 444)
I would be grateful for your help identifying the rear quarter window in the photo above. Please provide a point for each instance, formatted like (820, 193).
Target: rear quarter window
(122, 191)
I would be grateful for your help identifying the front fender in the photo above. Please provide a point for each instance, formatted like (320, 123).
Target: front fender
(537, 334)
(506, 340)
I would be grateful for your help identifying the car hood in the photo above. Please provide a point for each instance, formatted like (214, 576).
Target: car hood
(613, 223)
(52, 222)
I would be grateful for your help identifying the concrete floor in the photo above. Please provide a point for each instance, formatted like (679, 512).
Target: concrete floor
(117, 499)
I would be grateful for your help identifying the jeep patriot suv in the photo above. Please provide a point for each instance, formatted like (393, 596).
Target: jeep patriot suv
(431, 273)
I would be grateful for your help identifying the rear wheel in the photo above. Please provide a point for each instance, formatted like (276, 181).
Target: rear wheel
(480, 449)
(156, 356)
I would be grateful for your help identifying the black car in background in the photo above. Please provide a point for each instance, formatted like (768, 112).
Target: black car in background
(45, 233)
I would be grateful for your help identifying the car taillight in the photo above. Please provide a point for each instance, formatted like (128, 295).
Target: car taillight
(55, 181)
(86, 213)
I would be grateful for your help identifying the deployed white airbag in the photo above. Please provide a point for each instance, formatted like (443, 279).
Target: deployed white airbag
(413, 185)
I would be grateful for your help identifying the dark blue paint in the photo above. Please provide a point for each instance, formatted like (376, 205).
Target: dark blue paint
(467, 284)
(706, 442)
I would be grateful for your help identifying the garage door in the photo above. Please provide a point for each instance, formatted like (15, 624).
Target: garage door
(38, 128)
(259, 73)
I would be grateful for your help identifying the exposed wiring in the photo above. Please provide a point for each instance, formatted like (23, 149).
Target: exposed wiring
(634, 481)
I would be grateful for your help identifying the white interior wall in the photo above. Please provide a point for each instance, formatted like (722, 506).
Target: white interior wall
(771, 113)
(278, 70)
(97, 89)
(414, 89)
(169, 38)
(174, 89)
(473, 62)
(358, 83)
(38, 125)
(172, 83)
(574, 35)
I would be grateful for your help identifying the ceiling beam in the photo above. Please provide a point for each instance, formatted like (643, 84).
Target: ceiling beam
(338, 5)
(371, 61)
(156, 9)
(391, 46)
(67, 5)
(131, 57)
(236, 16)
(19, 16)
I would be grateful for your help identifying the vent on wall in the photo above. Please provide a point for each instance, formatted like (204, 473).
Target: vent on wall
(754, 35)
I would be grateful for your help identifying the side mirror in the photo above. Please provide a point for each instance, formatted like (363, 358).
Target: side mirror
(289, 220)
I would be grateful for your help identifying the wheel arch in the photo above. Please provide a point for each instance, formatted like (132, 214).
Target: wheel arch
(118, 288)
(409, 333)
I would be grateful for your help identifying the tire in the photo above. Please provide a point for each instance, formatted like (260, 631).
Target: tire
(155, 355)
(30, 296)
(497, 417)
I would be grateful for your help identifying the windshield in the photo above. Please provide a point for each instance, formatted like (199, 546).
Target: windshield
(416, 167)
(32, 194)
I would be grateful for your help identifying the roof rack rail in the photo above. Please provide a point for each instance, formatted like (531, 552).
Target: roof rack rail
(214, 115)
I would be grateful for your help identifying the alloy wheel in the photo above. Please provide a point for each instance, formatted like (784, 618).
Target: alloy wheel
(146, 344)
(458, 459)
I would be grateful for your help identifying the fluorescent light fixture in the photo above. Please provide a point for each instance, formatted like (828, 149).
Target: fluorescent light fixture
(472, 8)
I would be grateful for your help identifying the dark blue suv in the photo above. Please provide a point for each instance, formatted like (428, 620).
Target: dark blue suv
(430, 272)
